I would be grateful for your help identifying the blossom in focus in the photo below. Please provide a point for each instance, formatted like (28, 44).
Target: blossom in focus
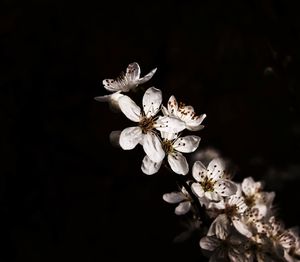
(144, 132)
(184, 112)
(173, 147)
(210, 182)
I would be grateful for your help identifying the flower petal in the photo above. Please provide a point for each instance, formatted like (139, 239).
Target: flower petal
(212, 195)
(220, 227)
(199, 171)
(250, 187)
(152, 101)
(174, 197)
(178, 163)
(147, 77)
(149, 167)
(197, 189)
(183, 208)
(172, 105)
(225, 187)
(130, 137)
(194, 124)
(215, 169)
(209, 243)
(241, 227)
(169, 124)
(133, 72)
(129, 108)
(153, 148)
(187, 144)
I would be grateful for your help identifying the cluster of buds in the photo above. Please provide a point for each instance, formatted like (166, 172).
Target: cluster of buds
(235, 221)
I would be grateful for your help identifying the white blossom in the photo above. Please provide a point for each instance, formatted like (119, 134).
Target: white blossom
(211, 183)
(182, 198)
(128, 81)
(124, 83)
(173, 147)
(255, 198)
(144, 133)
(233, 209)
(184, 112)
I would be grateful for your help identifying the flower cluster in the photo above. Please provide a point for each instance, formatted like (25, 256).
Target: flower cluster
(235, 221)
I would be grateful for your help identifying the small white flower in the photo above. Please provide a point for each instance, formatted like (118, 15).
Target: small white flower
(255, 198)
(185, 113)
(144, 133)
(211, 183)
(124, 83)
(182, 198)
(233, 208)
(173, 148)
(128, 81)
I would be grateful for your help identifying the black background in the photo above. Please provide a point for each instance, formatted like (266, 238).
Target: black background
(66, 193)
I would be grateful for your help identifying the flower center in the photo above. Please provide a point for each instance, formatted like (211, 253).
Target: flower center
(231, 211)
(167, 145)
(207, 185)
(146, 124)
(250, 201)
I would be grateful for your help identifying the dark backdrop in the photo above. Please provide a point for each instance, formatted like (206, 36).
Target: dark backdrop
(66, 193)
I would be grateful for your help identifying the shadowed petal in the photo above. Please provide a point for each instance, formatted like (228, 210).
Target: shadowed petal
(178, 163)
(129, 108)
(187, 144)
(153, 148)
(152, 101)
(183, 208)
(130, 137)
(149, 167)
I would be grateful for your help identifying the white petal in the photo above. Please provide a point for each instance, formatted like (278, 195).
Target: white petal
(183, 208)
(130, 108)
(199, 171)
(152, 101)
(112, 85)
(133, 72)
(217, 205)
(164, 110)
(241, 227)
(250, 187)
(225, 187)
(212, 196)
(168, 136)
(209, 243)
(178, 163)
(169, 124)
(215, 169)
(174, 197)
(147, 77)
(197, 189)
(220, 227)
(130, 137)
(149, 167)
(172, 105)
(187, 144)
(194, 124)
(153, 148)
